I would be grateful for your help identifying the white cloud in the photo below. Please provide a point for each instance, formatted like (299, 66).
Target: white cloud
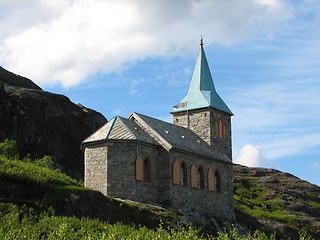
(250, 156)
(62, 42)
(316, 165)
(280, 110)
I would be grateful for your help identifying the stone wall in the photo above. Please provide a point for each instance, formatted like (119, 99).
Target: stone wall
(209, 203)
(95, 167)
(121, 177)
(203, 122)
(110, 168)
(115, 176)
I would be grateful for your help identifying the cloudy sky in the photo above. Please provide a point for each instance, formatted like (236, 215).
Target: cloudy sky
(122, 56)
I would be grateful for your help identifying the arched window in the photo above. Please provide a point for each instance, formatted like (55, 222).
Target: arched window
(146, 170)
(194, 181)
(139, 169)
(176, 172)
(217, 182)
(183, 174)
(200, 178)
(179, 173)
(210, 180)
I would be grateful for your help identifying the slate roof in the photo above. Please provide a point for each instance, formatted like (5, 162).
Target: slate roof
(202, 92)
(172, 136)
(119, 128)
(145, 129)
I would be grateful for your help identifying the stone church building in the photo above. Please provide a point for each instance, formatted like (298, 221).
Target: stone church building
(186, 165)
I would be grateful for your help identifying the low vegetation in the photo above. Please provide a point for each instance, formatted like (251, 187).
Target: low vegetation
(276, 204)
(34, 195)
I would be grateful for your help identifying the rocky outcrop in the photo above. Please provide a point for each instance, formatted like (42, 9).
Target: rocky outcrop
(45, 123)
(276, 201)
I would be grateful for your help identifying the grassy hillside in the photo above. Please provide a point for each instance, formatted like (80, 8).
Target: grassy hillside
(39, 202)
(276, 201)
(30, 208)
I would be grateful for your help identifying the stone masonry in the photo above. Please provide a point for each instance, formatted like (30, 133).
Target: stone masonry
(203, 122)
(110, 168)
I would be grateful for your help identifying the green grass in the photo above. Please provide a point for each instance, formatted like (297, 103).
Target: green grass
(24, 223)
(28, 172)
(33, 194)
(254, 201)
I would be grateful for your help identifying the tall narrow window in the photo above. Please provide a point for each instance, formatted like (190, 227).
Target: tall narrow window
(183, 174)
(210, 180)
(223, 134)
(200, 178)
(146, 170)
(221, 129)
(139, 169)
(194, 181)
(176, 172)
(217, 182)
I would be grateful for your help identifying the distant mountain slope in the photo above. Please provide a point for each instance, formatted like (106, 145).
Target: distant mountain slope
(45, 123)
(273, 200)
(11, 79)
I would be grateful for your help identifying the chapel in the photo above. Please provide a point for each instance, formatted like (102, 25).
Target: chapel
(186, 165)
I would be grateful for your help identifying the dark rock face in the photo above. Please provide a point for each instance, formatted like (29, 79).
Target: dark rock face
(45, 123)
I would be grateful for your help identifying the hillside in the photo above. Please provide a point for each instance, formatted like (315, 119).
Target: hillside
(32, 185)
(31, 192)
(276, 201)
(45, 123)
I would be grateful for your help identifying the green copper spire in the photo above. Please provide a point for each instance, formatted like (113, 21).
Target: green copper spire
(202, 92)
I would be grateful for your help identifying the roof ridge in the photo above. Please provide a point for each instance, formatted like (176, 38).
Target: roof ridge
(123, 124)
(95, 132)
(152, 133)
(112, 124)
(179, 139)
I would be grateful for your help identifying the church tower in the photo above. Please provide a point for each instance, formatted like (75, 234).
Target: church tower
(203, 111)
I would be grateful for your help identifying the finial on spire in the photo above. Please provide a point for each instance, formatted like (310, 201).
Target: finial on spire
(201, 41)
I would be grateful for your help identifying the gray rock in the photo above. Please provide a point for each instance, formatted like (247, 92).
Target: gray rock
(45, 123)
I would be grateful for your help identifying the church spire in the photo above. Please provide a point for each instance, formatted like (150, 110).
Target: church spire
(202, 92)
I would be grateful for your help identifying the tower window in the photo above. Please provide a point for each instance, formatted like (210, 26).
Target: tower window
(220, 129)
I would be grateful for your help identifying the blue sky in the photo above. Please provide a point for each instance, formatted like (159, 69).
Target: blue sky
(122, 56)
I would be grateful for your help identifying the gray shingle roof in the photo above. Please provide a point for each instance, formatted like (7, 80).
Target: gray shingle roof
(153, 131)
(119, 128)
(171, 136)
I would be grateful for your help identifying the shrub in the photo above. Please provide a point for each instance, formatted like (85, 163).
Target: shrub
(9, 149)
(29, 172)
